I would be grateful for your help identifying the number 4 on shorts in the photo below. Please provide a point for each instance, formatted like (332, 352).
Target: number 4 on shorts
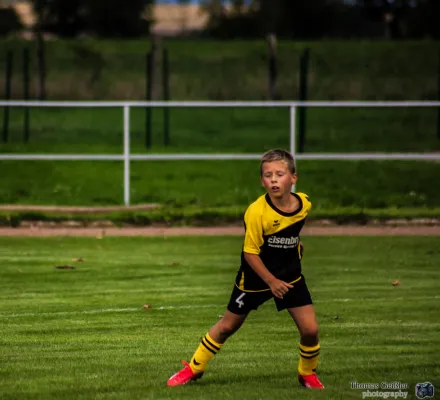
(238, 300)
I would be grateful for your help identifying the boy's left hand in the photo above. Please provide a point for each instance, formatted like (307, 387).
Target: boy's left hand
(279, 288)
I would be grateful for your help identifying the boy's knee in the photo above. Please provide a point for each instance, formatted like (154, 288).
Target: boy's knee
(309, 336)
(227, 328)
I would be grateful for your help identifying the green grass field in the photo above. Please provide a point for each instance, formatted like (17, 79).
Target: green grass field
(330, 185)
(200, 70)
(214, 183)
(219, 70)
(96, 131)
(82, 333)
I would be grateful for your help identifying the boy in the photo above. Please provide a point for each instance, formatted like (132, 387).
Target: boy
(270, 268)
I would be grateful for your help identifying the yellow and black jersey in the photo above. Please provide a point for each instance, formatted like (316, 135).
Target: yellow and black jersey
(274, 235)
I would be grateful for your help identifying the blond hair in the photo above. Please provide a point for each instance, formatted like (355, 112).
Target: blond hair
(278, 155)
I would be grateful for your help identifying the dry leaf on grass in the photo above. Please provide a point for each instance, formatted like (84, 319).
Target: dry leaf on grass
(395, 282)
(78, 259)
(147, 306)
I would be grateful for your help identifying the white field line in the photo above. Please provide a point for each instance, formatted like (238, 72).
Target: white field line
(189, 307)
(105, 310)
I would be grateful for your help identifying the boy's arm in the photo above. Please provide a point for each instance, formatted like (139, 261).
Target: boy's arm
(278, 287)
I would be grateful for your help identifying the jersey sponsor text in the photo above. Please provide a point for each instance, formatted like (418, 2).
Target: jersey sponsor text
(283, 242)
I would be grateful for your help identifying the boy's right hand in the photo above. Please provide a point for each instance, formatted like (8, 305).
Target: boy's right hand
(279, 288)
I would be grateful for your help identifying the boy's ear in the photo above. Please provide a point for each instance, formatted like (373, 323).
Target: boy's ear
(294, 177)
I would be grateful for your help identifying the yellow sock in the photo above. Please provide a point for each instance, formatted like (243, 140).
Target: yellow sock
(207, 349)
(308, 360)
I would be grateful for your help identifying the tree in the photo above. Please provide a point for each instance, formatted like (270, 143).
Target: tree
(9, 21)
(60, 17)
(423, 22)
(113, 18)
(404, 18)
(237, 20)
(105, 18)
(324, 18)
(286, 18)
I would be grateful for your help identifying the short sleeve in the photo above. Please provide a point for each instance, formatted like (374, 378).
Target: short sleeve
(307, 204)
(253, 238)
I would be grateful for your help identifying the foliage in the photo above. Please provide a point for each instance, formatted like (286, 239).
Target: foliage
(9, 21)
(323, 18)
(103, 18)
(404, 18)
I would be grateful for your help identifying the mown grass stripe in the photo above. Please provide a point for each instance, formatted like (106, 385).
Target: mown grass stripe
(194, 306)
(83, 334)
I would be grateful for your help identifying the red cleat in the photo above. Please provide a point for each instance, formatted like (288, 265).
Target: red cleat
(184, 376)
(310, 381)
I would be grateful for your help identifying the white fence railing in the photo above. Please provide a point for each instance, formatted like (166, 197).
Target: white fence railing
(126, 156)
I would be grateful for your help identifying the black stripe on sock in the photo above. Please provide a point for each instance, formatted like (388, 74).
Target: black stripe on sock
(212, 351)
(309, 352)
(309, 357)
(213, 345)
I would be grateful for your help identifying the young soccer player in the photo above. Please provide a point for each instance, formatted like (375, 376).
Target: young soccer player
(270, 268)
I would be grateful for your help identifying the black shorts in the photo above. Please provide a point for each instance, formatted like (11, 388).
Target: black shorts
(243, 302)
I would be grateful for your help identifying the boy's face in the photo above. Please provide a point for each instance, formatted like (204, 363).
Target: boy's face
(277, 179)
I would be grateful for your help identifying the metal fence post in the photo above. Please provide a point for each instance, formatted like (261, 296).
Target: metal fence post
(26, 85)
(126, 155)
(438, 95)
(8, 89)
(148, 97)
(166, 97)
(292, 137)
(303, 96)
